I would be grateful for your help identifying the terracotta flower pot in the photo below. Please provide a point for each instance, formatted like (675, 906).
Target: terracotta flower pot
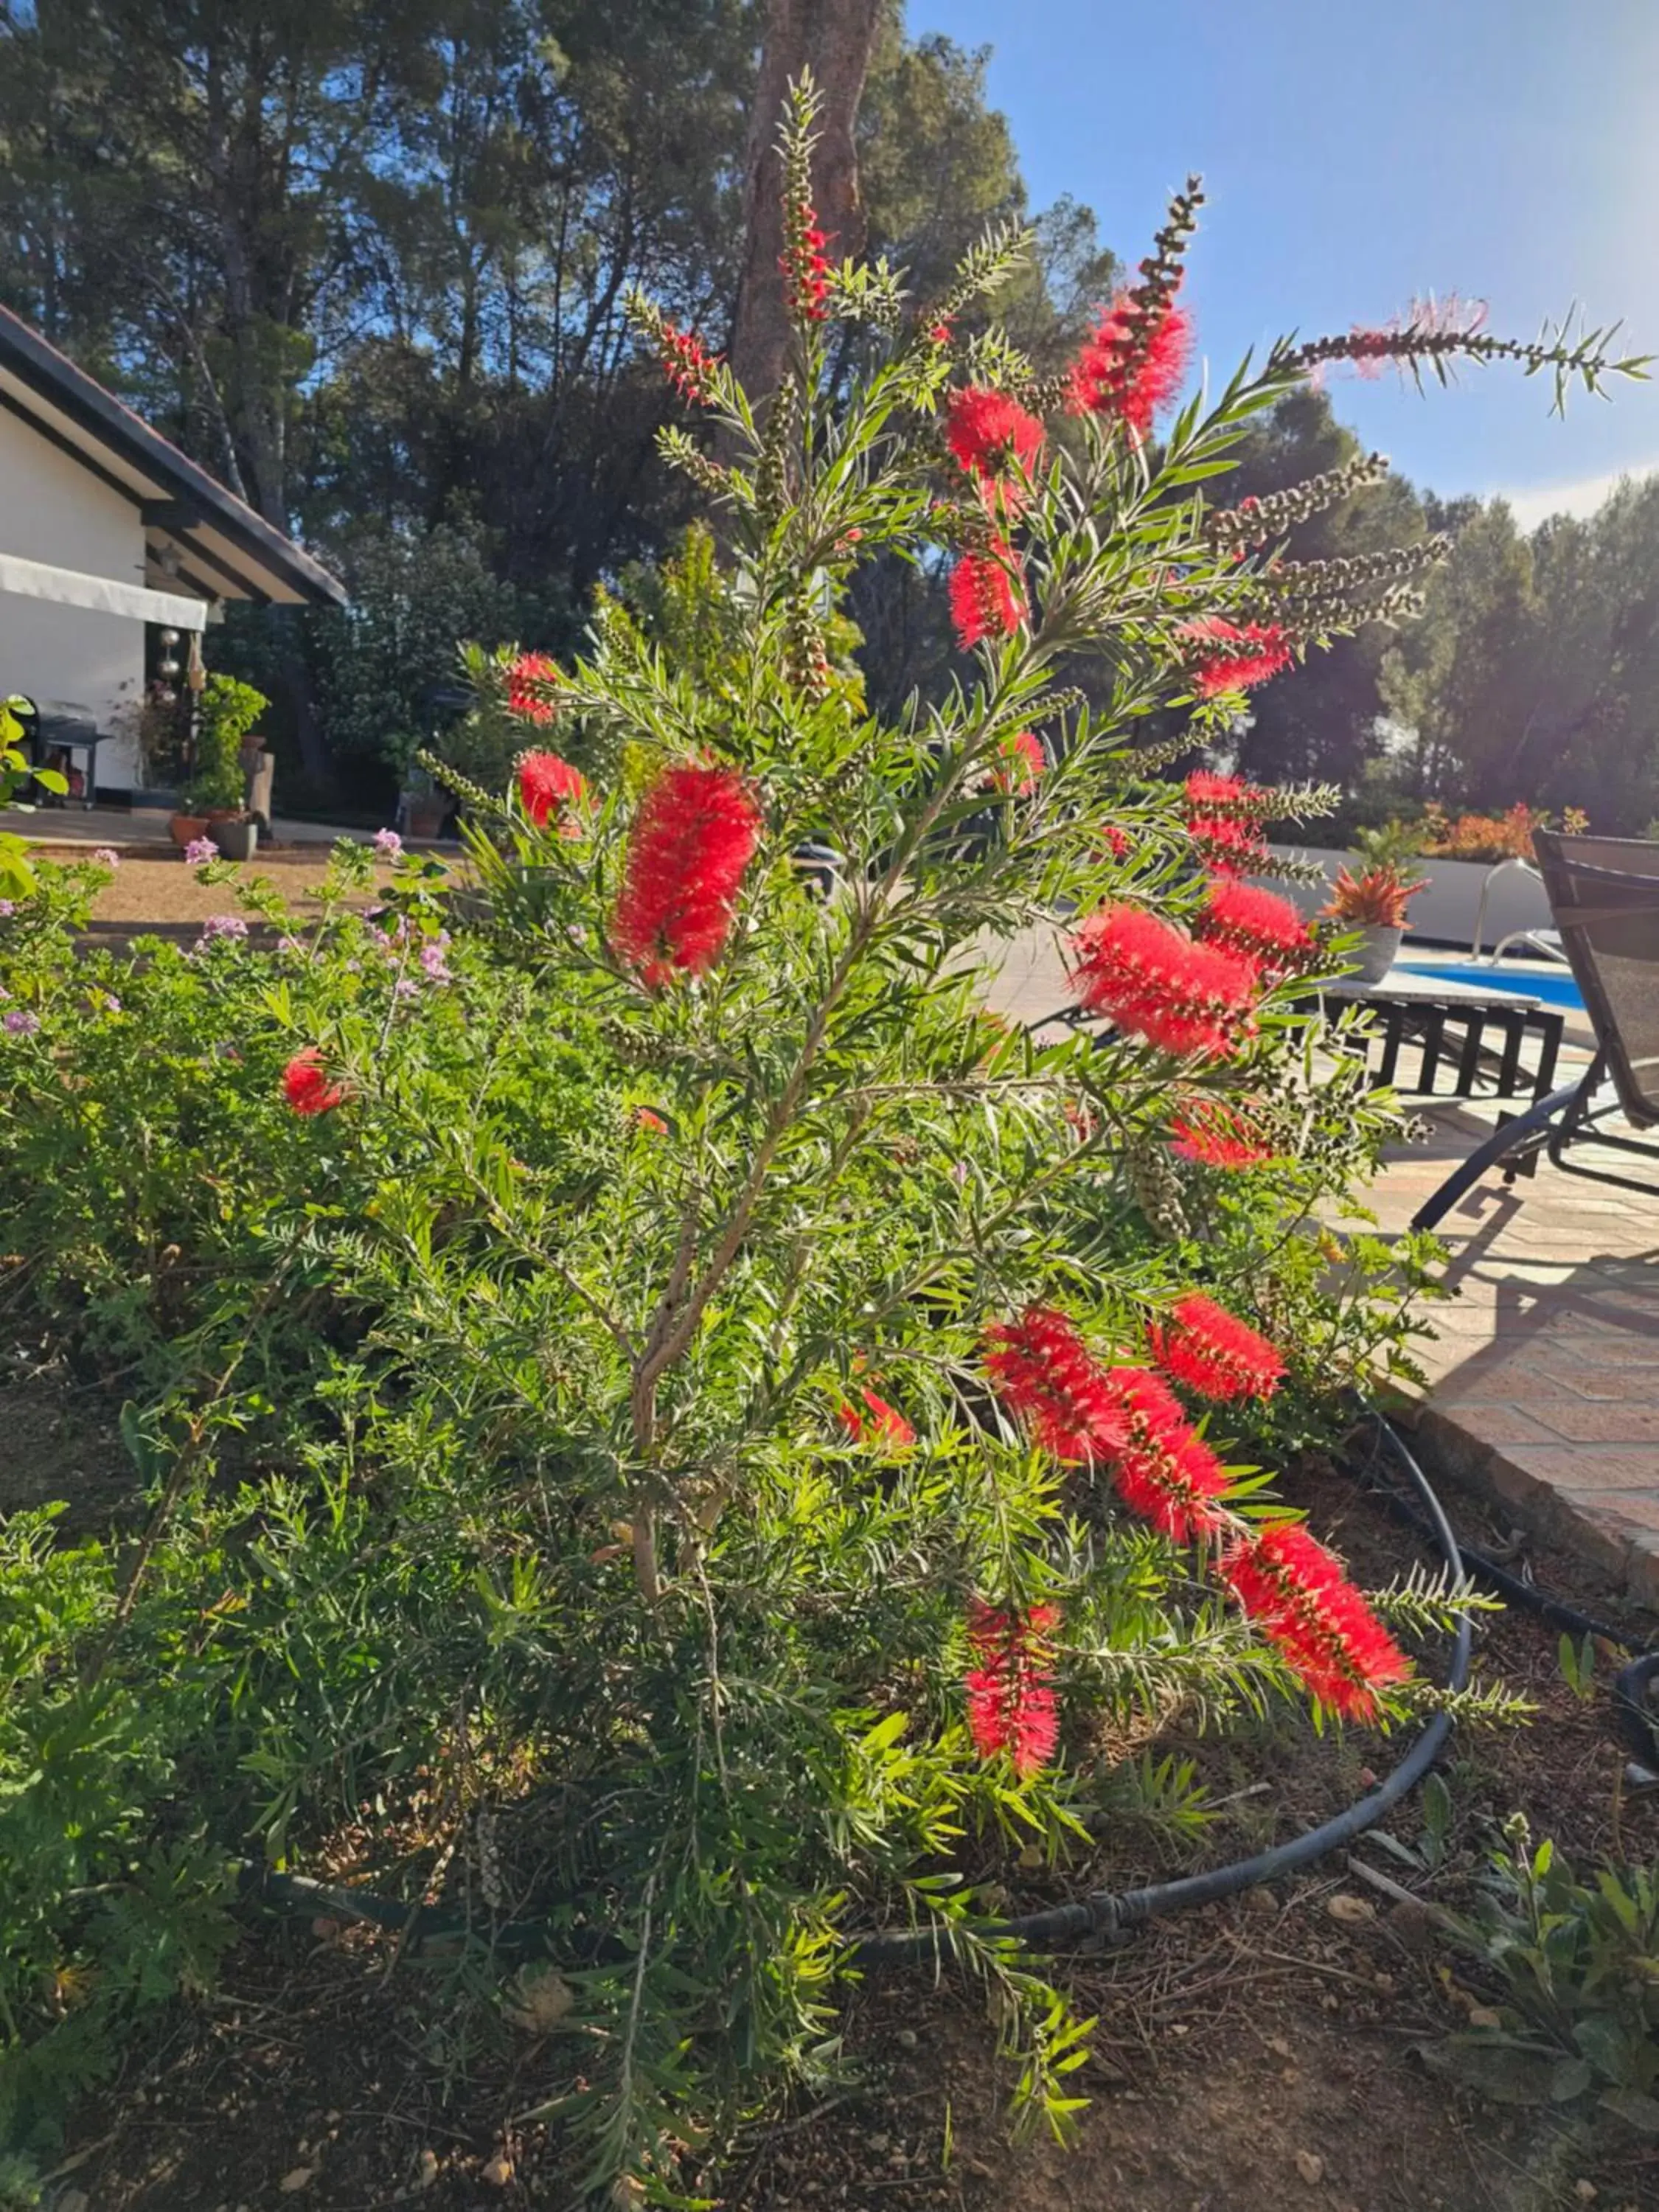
(186, 828)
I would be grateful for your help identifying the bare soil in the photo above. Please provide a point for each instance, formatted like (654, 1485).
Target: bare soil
(1251, 2056)
(164, 889)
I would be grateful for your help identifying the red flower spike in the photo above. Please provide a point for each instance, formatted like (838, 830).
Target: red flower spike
(806, 267)
(1227, 844)
(1164, 1470)
(1011, 1698)
(1023, 762)
(688, 365)
(1230, 656)
(653, 1123)
(1216, 1135)
(996, 441)
(1115, 840)
(1151, 981)
(1046, 1374)
(985, 600)
(1255, 925)
(1297, 1594)
(306, 1085)
(1128, 372)
(693, 838)
(549, 787)
(1213, 1353)
(1207, 794)
(530, 679)
(887, 1425)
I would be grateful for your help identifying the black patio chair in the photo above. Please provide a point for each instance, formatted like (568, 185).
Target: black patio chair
(1604, 898)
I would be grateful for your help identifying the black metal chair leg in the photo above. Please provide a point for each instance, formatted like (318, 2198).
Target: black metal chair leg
(1468, 1172)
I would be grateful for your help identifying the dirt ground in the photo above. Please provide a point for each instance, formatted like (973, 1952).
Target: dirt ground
(162, 889)
(1258, 2056)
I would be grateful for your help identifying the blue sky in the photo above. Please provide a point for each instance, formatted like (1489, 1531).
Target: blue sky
(1358, 154)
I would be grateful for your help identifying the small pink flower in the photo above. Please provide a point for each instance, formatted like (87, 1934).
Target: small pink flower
(388, 844)
(199, 851)
(21, 1023)
(106, 856)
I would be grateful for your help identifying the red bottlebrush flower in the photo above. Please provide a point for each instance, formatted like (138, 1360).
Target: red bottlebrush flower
(1227, 844)
(547, 786)
(996, 441)
(1163, 1470)
(985, 600)
(1023, 762)
(1045, 1373)
(887, 1425)
(1297, 1594)
(1010, 1697)
(687, 364)
(1115, 840)
(940, 335)
(1209, 794)
(1257, 925)
(1230, 656)
(530, 679)
(806, 268)
(1212, 1352)
(1151, 981)
(693, 838)
(644, 1118)
(1216, 1135)
(1129, 371)
(306, 1085)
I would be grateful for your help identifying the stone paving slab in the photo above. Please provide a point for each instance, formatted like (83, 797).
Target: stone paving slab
(1543, 1371)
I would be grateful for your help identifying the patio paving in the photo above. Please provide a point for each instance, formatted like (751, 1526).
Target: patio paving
(1543, 1371)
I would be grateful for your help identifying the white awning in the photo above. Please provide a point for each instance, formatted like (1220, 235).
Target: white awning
(103, 595)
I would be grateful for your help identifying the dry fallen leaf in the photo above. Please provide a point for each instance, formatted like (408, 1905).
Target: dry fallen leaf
(538, 2000)
(1352, 1911)
(1310, 2167)
(499, 2172)
(302, 2178)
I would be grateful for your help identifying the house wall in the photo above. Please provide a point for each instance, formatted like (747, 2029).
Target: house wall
(52, 509)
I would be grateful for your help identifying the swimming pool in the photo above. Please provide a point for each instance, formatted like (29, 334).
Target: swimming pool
(1555, 987)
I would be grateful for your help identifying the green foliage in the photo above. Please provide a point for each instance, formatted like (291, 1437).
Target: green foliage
(229, 709)
(489, 1424)
(1579, 1962)
(16, 876)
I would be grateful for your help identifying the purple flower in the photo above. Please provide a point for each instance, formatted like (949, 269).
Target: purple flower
(20, 1023)
(388, 844)
(432, 959)
(200, 849)
(107, 857)
(290, 944)
(111, 1004)
(404, 988)
(229, 926)
(8, 908)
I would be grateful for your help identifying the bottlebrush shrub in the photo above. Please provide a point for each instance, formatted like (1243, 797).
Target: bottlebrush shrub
(563, 1523)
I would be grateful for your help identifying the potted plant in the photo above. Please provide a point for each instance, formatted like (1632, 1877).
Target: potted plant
(214, 799)
(1373, 902)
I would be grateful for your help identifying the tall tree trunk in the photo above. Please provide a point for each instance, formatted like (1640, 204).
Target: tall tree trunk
(833, 38)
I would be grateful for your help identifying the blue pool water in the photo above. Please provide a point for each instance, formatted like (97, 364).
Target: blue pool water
(1555, 987)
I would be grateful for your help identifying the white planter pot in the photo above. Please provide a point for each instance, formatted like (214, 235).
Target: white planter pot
(1444, 912)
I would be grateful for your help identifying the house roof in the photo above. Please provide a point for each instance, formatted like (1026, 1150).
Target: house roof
(196, 534)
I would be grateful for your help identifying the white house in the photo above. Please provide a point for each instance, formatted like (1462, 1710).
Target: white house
(104, 528)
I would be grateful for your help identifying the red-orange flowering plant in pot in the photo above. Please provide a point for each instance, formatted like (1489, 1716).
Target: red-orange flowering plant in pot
(1376, 901)
(808, 1406)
